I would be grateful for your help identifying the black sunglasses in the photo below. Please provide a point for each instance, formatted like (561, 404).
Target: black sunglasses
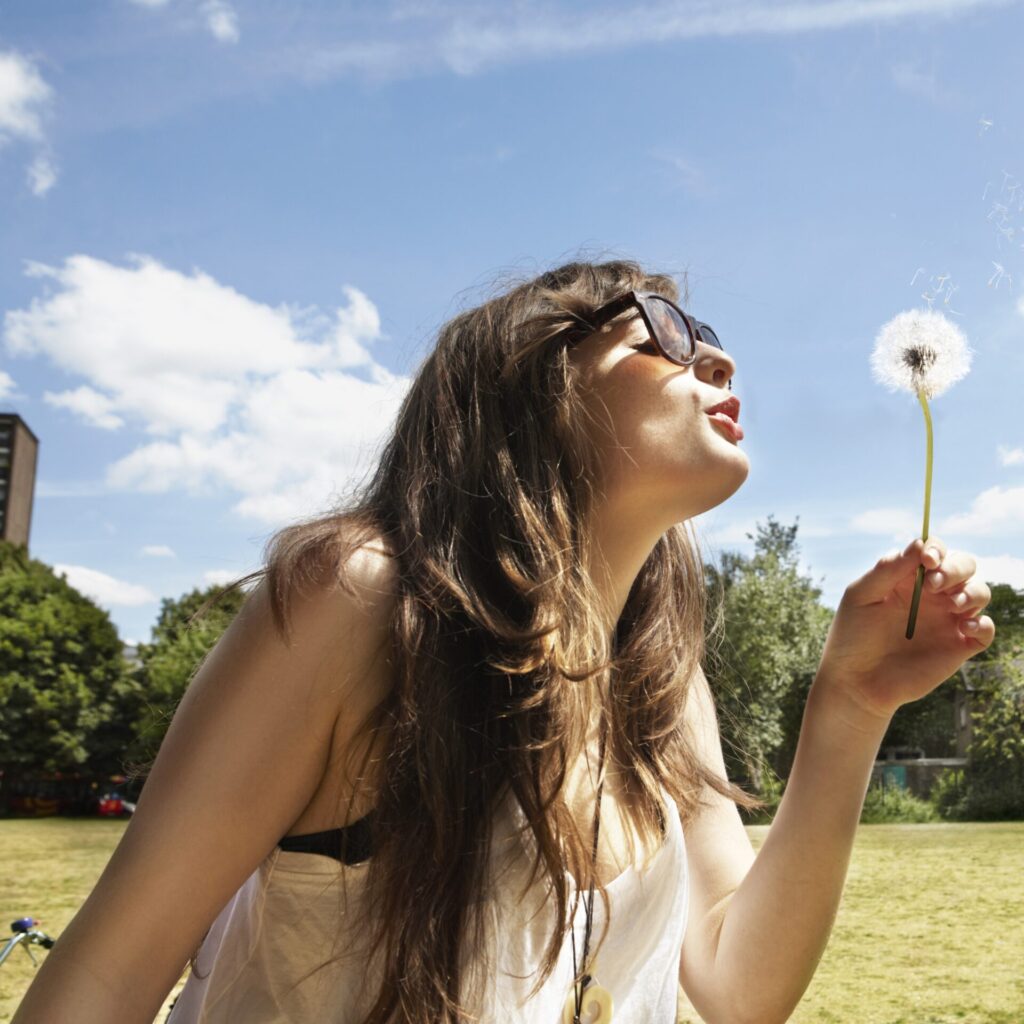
(674, 332)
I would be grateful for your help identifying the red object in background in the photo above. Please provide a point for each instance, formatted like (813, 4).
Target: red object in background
(111, 805)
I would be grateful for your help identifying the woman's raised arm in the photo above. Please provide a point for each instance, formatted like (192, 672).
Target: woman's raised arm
(242, 758)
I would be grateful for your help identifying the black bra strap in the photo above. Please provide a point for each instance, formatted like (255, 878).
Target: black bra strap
(350, 845)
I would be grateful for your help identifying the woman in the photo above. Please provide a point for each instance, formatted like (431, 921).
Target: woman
(441, 764)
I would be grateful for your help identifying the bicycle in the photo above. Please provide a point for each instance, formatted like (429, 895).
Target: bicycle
(26, 935)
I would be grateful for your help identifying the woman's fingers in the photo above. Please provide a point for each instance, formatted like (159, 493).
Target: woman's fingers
(955, 568)
(971, 597)
(978, 627)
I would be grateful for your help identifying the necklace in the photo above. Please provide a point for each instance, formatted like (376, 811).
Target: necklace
(589, 1002)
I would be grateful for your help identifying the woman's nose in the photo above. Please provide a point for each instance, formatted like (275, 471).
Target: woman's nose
(714, 365)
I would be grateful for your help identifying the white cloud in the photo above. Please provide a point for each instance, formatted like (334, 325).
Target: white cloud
(105, 590)
(42, 175)
(221, 577)
(95, 408)
(1001, 569)
(6, 386)
(25, 100)
(995, 511)
(1011, 456)
(896, 523)
(280, 405)
(158, 551)
(150, 3)
(221, 20)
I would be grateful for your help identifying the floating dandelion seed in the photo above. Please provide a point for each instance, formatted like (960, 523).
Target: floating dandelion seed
(922, 352)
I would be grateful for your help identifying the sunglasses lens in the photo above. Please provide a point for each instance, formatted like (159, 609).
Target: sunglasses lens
(673, 332)
(708, 336)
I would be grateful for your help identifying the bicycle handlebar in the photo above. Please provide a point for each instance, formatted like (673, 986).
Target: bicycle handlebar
(26, 935)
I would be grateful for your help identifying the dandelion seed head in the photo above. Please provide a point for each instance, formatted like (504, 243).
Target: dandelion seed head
(920, 350)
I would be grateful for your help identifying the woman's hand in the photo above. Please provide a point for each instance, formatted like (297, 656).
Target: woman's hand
(867, 654)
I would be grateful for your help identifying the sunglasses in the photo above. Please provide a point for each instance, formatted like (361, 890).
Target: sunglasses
(674, 332)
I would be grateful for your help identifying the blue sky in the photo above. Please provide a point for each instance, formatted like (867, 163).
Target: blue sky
(230, 228)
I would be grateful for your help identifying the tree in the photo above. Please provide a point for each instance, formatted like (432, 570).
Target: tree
(766, 633)
(928, 723)
(65, 689)
(168, 663)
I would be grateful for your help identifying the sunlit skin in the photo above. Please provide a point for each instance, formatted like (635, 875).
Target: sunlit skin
(663, 459)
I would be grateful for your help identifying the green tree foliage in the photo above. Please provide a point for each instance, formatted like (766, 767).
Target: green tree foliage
(179, 645)
(993, 785)
(766, 632)
(66, 695)
(929, 723)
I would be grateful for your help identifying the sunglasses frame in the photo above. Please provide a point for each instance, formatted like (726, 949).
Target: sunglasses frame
(640, 299)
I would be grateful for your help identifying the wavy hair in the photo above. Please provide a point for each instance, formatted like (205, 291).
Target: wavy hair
(500, 664)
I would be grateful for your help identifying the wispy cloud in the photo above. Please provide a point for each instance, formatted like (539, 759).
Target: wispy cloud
(467, 38)
(25, 101)
(686, 174)
(158, 551)
(281, 405)
(221, 20)
(219, 17)
(896, 523)
(42, 175)
(1011, 456)
(996, 511)
(910, 78)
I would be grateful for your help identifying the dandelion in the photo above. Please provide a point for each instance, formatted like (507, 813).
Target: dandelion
(922, 352)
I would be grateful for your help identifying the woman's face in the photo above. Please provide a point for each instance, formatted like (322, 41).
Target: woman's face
(661, 453)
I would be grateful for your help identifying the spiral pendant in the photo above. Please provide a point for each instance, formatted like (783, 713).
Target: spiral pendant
(596, 1005)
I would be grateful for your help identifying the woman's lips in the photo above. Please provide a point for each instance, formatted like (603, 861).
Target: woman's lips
(735, 430)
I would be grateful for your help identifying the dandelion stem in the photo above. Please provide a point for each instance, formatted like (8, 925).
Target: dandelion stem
(927, 510)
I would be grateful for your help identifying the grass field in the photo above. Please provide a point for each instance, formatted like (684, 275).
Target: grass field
(930, 930)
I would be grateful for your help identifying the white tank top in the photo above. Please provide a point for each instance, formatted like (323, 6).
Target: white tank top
(288, 918)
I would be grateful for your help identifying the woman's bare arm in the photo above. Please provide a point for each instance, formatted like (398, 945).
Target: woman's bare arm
(244, 754)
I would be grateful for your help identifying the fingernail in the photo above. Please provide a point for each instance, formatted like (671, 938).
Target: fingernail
(937, 580)
(960, 600)
(971, 625)
(934, 553)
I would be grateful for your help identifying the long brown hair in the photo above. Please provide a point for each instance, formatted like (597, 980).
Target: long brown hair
(479, 496)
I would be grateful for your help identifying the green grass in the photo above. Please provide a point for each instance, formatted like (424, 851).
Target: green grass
(49, 867)
(930, 929)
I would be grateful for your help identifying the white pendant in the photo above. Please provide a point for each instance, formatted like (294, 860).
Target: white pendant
(597, 1005)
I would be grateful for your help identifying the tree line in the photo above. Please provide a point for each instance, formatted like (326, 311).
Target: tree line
(71, 702)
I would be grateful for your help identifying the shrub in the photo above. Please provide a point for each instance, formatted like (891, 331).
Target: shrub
(886, 804)
(982, 792)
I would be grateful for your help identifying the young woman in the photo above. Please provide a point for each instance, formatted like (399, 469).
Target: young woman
(441, 765)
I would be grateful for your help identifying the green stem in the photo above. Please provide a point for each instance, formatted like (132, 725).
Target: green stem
(912, 621)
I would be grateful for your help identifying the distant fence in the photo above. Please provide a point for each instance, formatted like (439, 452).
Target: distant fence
(917, 774)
